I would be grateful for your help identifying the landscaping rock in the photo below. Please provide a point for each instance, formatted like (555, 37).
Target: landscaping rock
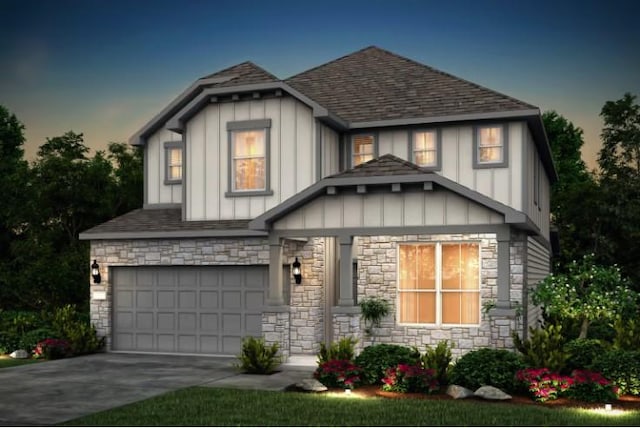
(457, 391)
(491, 393)
(311, 385)
(19, 354)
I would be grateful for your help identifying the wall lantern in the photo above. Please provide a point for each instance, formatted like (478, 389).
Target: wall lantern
(297, 273)
(95, 272)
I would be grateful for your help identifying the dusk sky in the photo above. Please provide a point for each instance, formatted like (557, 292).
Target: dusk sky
(105, 68)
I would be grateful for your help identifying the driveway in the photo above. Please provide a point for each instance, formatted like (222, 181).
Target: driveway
(56, 391)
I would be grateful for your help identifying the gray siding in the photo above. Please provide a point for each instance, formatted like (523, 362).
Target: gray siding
(395, 142)
(537, 268)
(412, 208)
(330, 149)
(157, 191)
(536, 200)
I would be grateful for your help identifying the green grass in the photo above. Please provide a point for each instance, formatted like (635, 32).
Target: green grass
(222, 407)
(10, 362)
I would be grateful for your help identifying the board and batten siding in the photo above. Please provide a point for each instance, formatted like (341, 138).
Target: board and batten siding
(330, 146)
(291, 157)
(537, 205)
(411, 208)
(157, 191)
(538, 267)
(502, 184)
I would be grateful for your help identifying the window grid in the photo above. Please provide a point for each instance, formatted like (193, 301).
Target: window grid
(490, 145)
(175, 163)
(362, 149)
(249, 173)
(425, 148)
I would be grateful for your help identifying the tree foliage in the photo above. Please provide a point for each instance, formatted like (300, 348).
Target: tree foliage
(62, 193)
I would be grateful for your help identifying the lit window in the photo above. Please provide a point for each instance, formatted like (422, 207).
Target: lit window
(425, 148)
(490, 145)
(173, 162)
(249, 173)
(439, 284)
(362, 149)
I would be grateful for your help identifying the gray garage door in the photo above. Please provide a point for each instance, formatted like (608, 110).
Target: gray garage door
(195, 310)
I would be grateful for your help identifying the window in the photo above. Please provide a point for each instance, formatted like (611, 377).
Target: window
(362, 149)
(490, 147)
(439, 283)
(249, 157)
(426, 149)
(173, 162)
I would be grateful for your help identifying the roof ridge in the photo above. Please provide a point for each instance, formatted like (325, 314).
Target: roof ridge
(331, 62)
(250, 63)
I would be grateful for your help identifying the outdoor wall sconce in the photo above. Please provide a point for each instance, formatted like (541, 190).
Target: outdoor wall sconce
(297, 273)
(95, 272)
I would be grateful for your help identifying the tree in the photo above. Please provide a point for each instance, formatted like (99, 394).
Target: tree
(620, 153)
(129, 176)
(586, 293)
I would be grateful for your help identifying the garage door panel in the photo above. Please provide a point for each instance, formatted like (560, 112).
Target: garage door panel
(187, 309)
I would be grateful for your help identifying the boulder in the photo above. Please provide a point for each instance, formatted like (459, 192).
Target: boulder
(491, 393)
(457, 391)
(19, 354)
(311, 385)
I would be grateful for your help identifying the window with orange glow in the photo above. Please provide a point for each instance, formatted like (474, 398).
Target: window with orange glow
(249, 171)
(362, 149)
(439, 283)
(490, 145)
(174, 164)
(425, 148)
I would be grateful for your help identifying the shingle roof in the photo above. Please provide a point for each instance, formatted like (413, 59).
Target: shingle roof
(374, 84)
(245, 73)
(383, 166)
(165, 220)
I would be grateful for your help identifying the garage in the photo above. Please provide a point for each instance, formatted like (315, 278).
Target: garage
(190, 309)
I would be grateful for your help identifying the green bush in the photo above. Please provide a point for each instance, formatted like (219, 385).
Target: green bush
(30, 339)
(372, 310)
(591, 387)
(494, 367)
(438, 359)
(543, 348)
(376, 359)
(70, 324)
(622, 367)
(344, 349)
(627, 333)
(258, 358)
(14, 326)
(582, 353)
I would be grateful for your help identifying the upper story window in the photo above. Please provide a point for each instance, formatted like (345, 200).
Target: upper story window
(249, 157)
(426, 149)
(490, 146)
(362, 149)
(439, 283)
(173, 162)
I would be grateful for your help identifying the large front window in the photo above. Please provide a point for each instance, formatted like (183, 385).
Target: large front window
(249, 172)
(439, 283)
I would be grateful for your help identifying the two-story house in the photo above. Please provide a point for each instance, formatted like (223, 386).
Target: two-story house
(272, 207)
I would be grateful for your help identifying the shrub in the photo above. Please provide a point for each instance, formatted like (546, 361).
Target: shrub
(542, 384)
(75, 327)
(592, 386)
(344, 349)
(376, 359)
(438, 359)
(410, 378)
(372, 310)
(582, 353)
(14, 325)
(52, 349)
(622, 367)
(30, 340)
(627, 333)
(494, 367)
(339, 374)
(543, 348)
(258, 358)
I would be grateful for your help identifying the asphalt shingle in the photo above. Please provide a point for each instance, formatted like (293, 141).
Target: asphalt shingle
(245, 73)
(383, 166)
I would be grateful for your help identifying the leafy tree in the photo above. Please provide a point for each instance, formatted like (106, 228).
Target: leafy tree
(586, 293)
(128, 163)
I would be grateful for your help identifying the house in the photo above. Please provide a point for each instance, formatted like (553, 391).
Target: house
(379, 175)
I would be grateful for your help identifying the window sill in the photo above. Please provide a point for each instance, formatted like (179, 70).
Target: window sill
(490, 165)
(248, 193)
(170, 182)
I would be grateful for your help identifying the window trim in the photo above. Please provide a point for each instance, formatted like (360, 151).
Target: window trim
(352, 137)
(249, 125)
(505, 147)
(168, 146)
(412, 139)
(438, 290)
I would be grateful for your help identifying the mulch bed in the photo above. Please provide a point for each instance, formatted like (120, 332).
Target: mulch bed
(625, 402)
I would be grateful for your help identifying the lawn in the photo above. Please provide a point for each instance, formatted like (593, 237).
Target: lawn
(6, 361)
(200, 406)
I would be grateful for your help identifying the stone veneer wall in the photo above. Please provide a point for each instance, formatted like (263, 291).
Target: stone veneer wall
(377, 276)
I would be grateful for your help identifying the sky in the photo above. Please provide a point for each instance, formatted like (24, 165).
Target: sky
(105, 68)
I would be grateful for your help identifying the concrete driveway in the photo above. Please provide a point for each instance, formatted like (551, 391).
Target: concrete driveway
(56, 391)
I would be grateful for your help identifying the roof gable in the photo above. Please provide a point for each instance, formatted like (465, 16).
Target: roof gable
(373, 84)
(245, 73)
(383, 166)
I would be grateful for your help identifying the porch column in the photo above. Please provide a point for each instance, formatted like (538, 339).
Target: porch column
(504, 272)
(275, 272)
(346, 271)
